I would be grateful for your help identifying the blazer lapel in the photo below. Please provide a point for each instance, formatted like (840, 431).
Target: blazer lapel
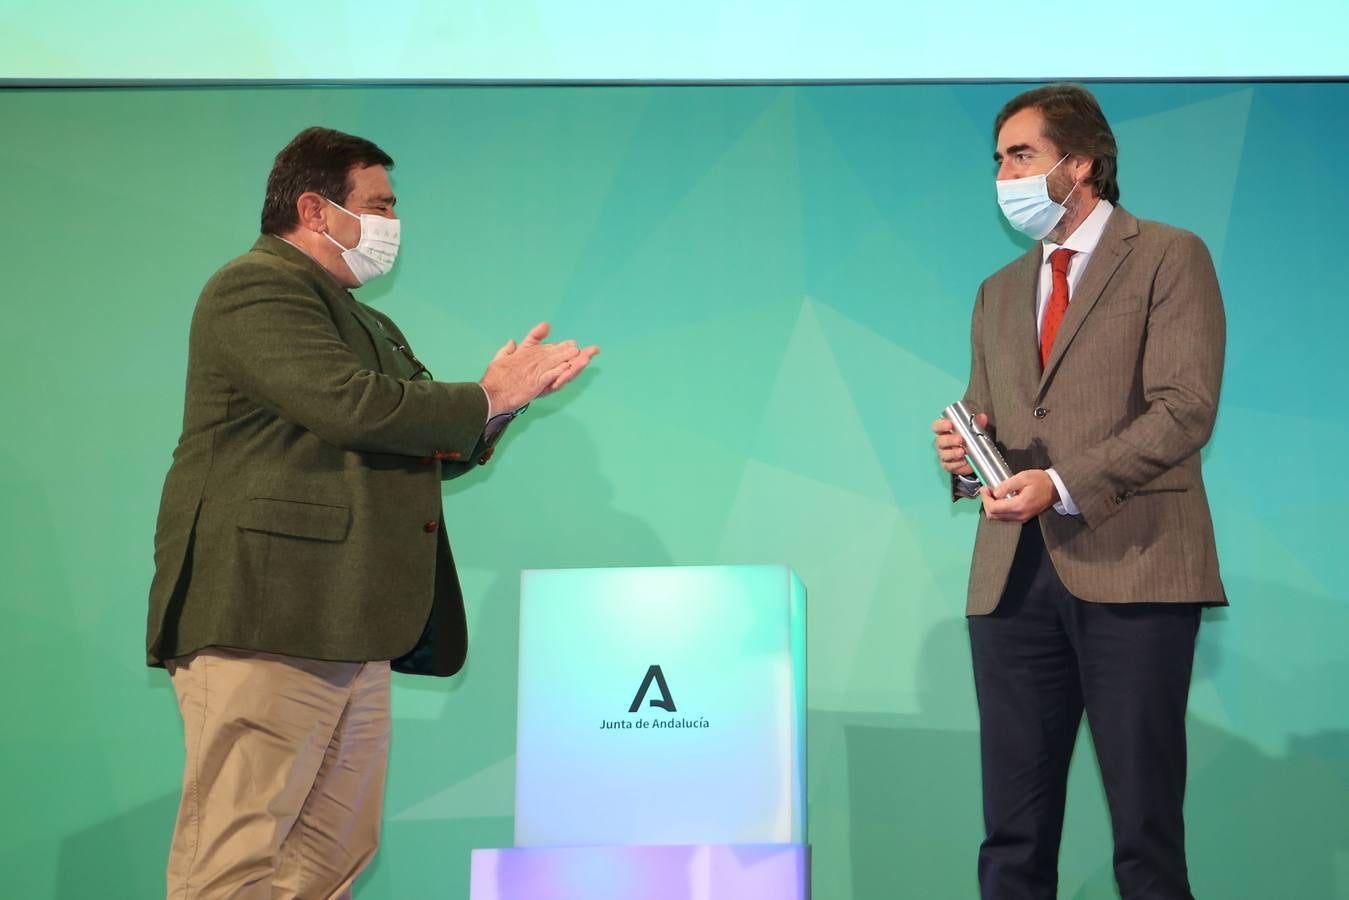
(379, 340)
(1021, 338)
(1105, 260)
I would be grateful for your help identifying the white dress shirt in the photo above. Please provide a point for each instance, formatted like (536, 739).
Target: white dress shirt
(1083, 243)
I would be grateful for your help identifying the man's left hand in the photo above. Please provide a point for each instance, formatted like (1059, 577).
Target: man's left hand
(1035, 493)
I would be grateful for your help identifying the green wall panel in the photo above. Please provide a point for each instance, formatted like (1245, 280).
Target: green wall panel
(781, 279)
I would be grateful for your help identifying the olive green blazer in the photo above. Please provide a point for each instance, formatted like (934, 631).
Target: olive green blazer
(302, 511)
(1121, 411)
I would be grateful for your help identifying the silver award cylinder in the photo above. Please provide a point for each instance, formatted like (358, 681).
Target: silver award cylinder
(980, 450)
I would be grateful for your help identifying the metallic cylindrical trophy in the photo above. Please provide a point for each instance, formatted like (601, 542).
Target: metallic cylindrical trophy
(980, 450)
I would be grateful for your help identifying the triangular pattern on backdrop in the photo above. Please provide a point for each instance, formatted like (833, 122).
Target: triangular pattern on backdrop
(1168, 185)
(487, 793)
(836, 540)
(811, 424)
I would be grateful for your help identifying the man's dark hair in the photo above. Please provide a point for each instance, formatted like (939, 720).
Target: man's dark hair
(318, 160)
(1075, 124)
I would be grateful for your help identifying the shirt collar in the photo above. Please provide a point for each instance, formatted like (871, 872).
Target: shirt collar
(1087, 235)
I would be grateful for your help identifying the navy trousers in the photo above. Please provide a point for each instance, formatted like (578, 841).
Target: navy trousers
(1042, 658)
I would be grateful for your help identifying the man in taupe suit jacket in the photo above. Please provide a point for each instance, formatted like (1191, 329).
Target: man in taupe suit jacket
(1096, 363)
(301, 551)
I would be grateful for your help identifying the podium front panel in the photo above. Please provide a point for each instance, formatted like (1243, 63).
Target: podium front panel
(661, 706)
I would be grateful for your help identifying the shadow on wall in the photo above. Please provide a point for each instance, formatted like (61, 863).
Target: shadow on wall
(110, 860)
(913, 783)
(1259, 826)
(557, 513)
(571, 523)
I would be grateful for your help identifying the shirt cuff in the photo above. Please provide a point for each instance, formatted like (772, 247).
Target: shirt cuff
(968, 485)
(1065, 506)
(489, 404)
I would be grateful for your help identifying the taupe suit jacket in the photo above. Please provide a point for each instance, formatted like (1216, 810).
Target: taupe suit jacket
(1121, 410)
(302, 512)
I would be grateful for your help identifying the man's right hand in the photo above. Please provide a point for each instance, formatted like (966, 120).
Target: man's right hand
(950, 448)
(521, 372)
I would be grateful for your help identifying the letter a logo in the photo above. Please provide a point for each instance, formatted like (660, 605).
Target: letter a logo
(666, 702)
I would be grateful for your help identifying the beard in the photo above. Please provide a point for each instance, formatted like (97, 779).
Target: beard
(1061, 184)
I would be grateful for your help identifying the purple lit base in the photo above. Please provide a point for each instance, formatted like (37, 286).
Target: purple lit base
(695, 872)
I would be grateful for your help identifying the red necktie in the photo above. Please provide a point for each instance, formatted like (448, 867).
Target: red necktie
(1058, 301)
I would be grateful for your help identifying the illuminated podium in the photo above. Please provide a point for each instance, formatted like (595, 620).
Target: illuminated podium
(660, 750)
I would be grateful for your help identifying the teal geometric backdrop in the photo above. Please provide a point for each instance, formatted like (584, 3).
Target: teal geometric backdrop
(781, 279)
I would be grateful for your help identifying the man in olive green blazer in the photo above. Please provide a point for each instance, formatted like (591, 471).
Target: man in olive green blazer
(301, 550)
(1096, 363)
(301, 514)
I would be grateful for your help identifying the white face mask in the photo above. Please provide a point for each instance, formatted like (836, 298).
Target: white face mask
(1027, 205)
(375, 252)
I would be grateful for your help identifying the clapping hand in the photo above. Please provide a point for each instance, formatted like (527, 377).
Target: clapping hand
(521, 372)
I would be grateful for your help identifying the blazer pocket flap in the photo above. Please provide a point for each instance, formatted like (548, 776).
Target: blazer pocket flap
(1177, 479)
(315, 521)
(1124, 306)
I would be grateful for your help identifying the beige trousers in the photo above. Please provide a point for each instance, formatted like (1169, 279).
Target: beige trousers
(284, 779)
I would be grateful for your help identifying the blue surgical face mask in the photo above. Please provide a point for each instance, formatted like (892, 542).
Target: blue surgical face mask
(1027, 205)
